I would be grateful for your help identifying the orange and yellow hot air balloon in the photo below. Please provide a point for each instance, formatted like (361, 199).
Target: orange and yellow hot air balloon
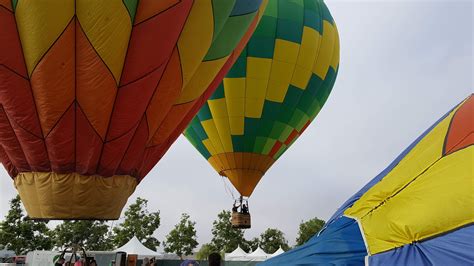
(93, 92)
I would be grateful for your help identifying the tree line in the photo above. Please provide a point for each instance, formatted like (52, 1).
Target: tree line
(21, 235)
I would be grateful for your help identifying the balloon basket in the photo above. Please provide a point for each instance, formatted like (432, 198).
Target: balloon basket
(240, 220)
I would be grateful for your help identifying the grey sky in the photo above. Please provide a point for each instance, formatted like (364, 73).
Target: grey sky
(403, 65)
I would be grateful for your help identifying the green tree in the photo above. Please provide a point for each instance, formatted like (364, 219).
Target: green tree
(140, 223)
(253, 244)
(272, 239)
(91, 235)
(21, 235)
(182, 239)
(308, 229)
(224, 237)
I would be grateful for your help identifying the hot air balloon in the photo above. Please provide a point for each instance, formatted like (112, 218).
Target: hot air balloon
(272, 93)
(418, 211)
(93, 92)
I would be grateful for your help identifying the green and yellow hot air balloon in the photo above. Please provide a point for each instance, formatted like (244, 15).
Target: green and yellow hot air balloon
(272, 93)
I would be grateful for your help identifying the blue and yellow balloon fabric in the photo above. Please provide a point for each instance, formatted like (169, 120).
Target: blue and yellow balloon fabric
(418, 211)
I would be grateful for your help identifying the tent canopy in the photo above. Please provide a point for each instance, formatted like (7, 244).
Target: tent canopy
(237, 255)
(258, 255)
(278, 252)
(134, 246)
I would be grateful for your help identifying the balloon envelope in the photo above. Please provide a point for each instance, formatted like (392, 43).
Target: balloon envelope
(272, 93)
(93, 93)
(418, 211)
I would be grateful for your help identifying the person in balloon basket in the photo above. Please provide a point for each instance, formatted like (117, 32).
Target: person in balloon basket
(245, 209)
(236, 206)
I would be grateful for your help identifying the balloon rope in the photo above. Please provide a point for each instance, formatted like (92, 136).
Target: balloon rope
(228, 189)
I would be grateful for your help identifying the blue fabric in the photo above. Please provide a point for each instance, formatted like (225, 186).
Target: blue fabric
(387, 170)
(454, 248)
(340, 244)
(243, 7)
(189, 262)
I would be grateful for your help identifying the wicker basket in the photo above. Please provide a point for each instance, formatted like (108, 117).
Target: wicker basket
(240, 220)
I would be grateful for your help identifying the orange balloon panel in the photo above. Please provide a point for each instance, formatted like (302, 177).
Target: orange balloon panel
(93, 93)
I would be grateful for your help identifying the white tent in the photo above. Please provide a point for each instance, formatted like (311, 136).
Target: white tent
(257, 255)
(4, 253)
(237, 255)
(278, 252)
(134, 246)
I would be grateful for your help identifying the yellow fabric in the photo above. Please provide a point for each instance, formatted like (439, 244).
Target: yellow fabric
(223, 128)
(235, 106)
(280, 78)
(258, 75)
(426, 152)
(254, 107)
(423, 196)
(198, 30)
(234, 87)
(38, 36)
(307, 55)
(219, 113)
(218, 108)
(301, 77)
(211, 131)
(438, 201)
(286, 51)
(73, 196)
(235, 100)
(110, 40)
(209, 146)
(258, 67)
(335, 58)
(255, 93)
(256, 88)
(326, 50)
(201, 79)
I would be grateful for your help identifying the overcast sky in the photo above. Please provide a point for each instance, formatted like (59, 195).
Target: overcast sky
(403, 65)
